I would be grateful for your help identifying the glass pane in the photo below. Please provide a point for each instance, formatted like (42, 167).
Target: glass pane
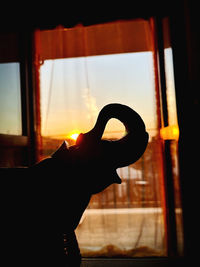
(85, 85)
(171, 99)
(173, 123)
(125, 219)
(10, 102)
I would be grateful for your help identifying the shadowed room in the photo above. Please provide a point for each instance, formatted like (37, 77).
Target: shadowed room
(98, 128)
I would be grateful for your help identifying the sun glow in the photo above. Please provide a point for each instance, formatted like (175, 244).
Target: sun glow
(74, 136)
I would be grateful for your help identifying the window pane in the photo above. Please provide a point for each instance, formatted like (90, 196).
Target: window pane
(10, 102)
(125, 219)
(85, 85)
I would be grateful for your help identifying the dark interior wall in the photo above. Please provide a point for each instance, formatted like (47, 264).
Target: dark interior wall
(185, 35)
(69, 14)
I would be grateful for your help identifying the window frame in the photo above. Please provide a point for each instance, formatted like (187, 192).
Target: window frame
(27, 138)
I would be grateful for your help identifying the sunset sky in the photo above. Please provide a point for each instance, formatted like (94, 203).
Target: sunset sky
(74, 90)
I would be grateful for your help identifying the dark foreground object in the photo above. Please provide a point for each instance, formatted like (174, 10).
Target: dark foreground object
(42, 205)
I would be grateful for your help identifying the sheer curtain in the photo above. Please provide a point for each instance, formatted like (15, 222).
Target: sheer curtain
(79, 70)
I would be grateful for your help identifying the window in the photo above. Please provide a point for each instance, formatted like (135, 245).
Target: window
(10, 102)
(13, 142)
(80, 70)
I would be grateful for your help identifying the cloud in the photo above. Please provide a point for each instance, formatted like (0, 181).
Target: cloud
(90, 102)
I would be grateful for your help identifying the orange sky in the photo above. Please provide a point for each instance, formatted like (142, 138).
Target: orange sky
(72, 99)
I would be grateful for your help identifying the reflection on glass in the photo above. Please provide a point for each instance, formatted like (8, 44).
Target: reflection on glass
(10, 102)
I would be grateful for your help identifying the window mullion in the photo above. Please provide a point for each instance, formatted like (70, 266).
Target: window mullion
(168, 173)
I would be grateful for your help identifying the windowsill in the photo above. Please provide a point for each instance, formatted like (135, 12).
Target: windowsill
(140, 262)
(7, 140)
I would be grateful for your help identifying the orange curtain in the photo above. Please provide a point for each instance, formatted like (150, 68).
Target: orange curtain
(101, 39)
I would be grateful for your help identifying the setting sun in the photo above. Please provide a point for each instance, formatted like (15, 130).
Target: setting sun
(74, 136)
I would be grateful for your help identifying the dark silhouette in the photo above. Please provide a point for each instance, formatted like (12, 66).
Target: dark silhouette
(75, 173)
